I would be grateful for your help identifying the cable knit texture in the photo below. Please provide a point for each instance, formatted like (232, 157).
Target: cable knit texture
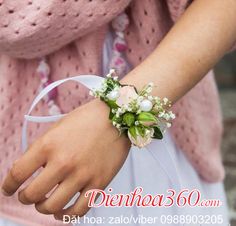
(71, 33)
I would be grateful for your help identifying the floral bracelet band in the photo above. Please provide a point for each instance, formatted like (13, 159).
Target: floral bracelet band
(138, 114)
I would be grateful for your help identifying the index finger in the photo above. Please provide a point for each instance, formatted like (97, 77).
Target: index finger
(22, 169)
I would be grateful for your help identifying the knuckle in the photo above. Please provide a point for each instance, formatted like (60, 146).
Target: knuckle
(46, 143)
(63, 164)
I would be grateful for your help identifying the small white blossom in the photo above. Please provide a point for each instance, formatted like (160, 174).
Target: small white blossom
(150, 97)
(119, 110)
(149, 90)
(113, 95)
(166, 116)
(115, 78)
(125, 106)
(172, 115)
(136, 123)
(112, 71)
(168, 125)
(165, 100)
(123, 110)
(157, 99)
(140, 98)
(161, 114)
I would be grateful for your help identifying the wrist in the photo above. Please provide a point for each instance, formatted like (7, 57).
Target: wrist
(100, 112)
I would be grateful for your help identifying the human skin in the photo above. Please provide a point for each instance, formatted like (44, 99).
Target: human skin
(83, 150)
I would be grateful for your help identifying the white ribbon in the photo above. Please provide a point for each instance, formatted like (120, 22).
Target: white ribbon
(90, 81)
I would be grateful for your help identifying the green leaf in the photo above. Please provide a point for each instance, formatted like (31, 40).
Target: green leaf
(111, 115)
(129, 119)
(157, 133)
(132, 131)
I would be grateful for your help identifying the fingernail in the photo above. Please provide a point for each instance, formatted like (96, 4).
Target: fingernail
(4, 192)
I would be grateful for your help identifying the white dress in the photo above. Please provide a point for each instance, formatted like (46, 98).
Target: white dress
(158, 167)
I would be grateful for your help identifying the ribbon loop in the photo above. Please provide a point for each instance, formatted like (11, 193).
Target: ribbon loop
(89, 81)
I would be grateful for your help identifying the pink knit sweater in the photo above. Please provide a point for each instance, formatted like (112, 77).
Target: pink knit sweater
(71, 33)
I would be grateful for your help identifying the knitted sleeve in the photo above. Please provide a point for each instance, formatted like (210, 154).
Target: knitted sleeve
(31, 29)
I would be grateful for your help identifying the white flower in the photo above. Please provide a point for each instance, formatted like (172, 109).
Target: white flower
(125, 106)
(140, 98)
(149, 89)
(113, 95)
(172, 115)
(168, 125)
(166, 116)
(123, 110)
(119, 110)
(161, 114)
(115, 78)
(156, 98)
(165, 100)
(140, 141)
(109, 75)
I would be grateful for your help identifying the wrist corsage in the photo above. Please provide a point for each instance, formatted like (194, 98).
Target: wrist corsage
(138, 114)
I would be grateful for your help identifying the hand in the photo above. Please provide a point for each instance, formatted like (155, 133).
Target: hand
(80, 152)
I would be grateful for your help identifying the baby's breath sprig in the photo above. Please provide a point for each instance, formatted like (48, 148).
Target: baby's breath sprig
(138, 114)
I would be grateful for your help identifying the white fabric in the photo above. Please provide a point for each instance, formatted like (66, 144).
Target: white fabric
(156, 168)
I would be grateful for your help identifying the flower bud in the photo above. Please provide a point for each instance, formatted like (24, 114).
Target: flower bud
(147, 118)
(129, 119)
(140, 140)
